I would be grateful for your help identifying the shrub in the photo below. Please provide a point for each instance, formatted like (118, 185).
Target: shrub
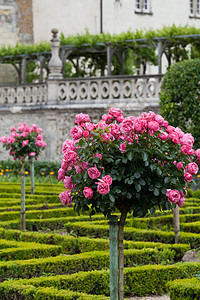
(179, 97)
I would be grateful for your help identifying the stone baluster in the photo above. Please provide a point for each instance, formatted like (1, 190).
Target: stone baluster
(55, 63)
(55, 68)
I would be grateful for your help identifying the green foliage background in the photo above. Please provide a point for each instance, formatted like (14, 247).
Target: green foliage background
(176, 50)
(179, 97)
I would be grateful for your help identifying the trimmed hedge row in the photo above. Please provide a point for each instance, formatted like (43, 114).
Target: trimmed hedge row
(74, 245)
(33, 214)
(158, 222)
(84, 244)
(138, 281)
(134, 234)
(26, 250)
(87, 261)
(29, 292)
(47, 224)
(191, 227)
(36, 206)
(187, 289)
(39, 198)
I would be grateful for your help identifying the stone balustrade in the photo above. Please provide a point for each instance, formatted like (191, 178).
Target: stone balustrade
(145, 87)
(23, 95)
(134, 89)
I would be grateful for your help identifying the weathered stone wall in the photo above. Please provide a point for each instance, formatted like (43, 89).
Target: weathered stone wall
(16, 22)
(16, 26)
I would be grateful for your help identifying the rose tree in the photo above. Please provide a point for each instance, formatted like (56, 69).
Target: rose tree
(24, 141)
(130, 164)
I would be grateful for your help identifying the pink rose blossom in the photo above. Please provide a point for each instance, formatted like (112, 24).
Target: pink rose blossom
(188, 177)
(24, 134)
(88, 192)
(40, 137)
(159, 119)
(197, 153)
(3, 139)
(192, 168)
(76, 132)
(68, 183)
(170, 129)
(40, 143)
(175, 137)
(106, 136)
(86, 133)
(179, 165)
(153, 125)
(103, 188)
(10, 140)
(181, 201)
(24, 143)
(127, 126)
(107, 179)
(32, 154)
(68, 145)
(81, 118)
(115, 130)
(90, 127)
(12, 128)
(65, 197)
(61, 174)
(122, 147)
(98, 155)
(173, 196)
(70, 156)
(115, 112)
(187, 140)
(185, 149)
(138, 126)
(93, 173)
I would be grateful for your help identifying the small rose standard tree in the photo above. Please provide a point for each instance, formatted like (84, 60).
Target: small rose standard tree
(132, 164)
(24, 141)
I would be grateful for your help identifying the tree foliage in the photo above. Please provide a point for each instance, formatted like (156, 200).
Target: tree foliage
(179, 97)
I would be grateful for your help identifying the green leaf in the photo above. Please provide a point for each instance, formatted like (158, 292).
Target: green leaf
(124, 160)
(164, 191)
(144, 156)
(138, 187)
(112, 198)
(156, 192)
(117, 161)
(142, 182)
(166, 180)
(130, 155)
(137, 175)
(129, 195)
(158, 171)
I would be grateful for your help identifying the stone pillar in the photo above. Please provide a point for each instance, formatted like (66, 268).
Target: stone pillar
(55, 63)
(55, 68)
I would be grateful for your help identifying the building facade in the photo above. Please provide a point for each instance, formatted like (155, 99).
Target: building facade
(25, 21)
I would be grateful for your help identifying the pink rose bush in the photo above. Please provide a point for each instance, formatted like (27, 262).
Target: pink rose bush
(24, 141)
(134, 164)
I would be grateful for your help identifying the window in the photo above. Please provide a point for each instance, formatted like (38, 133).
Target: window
(142, 6)
(195, 8)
